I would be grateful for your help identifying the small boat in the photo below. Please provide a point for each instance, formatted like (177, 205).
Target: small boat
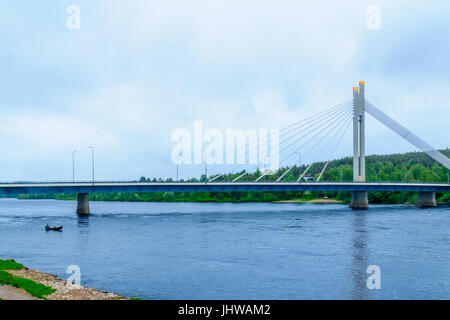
(48, 228)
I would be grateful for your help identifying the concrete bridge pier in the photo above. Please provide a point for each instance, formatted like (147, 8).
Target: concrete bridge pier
(359, 200)
(83, 204)
(427, 199)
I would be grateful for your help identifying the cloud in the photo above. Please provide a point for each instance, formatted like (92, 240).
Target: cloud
(47, 131)
(136, 71)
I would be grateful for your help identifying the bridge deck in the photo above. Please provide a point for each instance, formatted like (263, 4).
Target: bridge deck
(52, 188)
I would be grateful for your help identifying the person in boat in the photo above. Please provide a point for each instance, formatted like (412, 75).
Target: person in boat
(47, 227)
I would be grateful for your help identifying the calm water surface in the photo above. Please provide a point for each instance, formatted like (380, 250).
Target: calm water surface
(235, 251)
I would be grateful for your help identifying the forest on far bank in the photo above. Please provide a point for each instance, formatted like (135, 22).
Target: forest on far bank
(407, 167)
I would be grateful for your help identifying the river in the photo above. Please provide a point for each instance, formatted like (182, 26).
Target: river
(235, 251)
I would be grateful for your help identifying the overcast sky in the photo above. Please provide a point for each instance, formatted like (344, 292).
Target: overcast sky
(137, 70)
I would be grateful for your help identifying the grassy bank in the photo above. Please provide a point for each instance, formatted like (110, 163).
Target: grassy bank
(35, 289)
(47, 286)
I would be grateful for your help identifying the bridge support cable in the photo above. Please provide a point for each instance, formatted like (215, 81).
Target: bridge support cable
(339, 123)
(407, 135)
(319, 121)
(327, 124)
(216, 177)
(304, 172)
(314, 124)
(318, 115)
(341, 116)
(323, 170)
(318, 124)
(333, 153)
(321, 116)
(323, 149)
(285, 173)
(326, 147)
(265, 174)
(234, 180)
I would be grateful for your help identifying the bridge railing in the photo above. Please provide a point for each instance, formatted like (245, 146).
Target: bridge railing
(213, 182)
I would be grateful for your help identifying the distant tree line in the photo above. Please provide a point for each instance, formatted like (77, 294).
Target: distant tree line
(409, 167)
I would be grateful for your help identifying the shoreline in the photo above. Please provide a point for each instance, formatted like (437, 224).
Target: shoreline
(61, 289)
(318, 201)
(439, 204)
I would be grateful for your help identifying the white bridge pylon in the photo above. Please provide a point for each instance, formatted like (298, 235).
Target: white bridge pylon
(329, 127)
(359, 134)
(360, 106)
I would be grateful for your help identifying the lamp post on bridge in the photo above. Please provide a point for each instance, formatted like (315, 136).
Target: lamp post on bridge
(178, 160)
(204, 160)
(92, 148)
(73, 165)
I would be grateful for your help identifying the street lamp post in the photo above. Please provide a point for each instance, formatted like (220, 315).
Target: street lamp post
(73, 165)
(178, 160)
(92, 148)
(204, 159)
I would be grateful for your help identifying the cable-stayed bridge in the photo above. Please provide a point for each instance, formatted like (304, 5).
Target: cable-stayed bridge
(328, 127)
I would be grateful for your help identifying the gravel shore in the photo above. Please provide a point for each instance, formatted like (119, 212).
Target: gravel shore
(64, 289)
(12, 293)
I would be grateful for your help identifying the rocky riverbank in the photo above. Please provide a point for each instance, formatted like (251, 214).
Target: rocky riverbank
(19, 288)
